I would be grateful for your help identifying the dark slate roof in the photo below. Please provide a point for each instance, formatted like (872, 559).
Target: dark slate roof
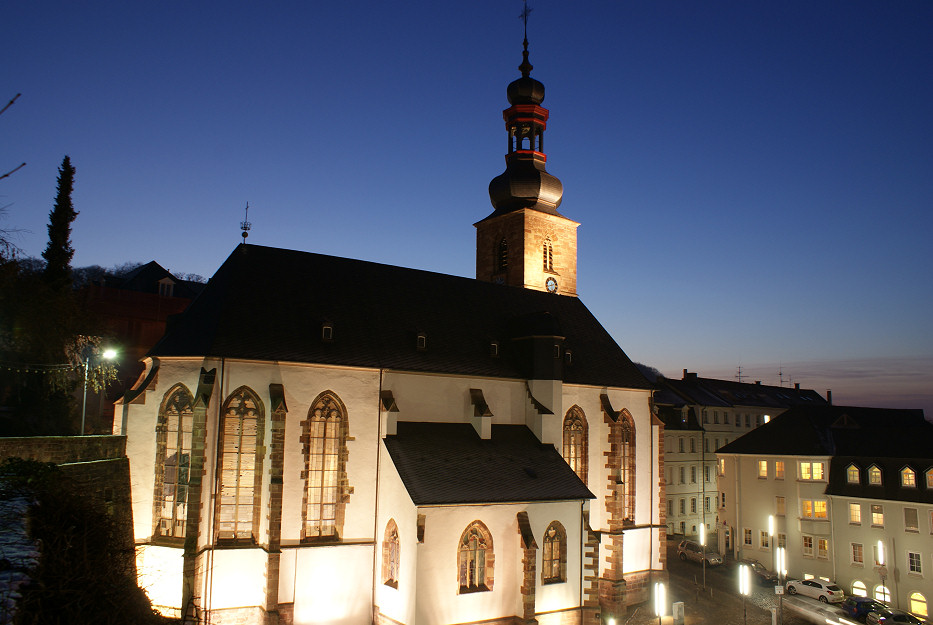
(840, 431)
(728, 393)
(267, 303)
(890, 487)
(145, 279)
(448, 463)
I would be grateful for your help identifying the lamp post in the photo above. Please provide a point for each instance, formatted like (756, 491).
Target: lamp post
(659, 600)
(744, 588)
(781, 571)
(108, 354)
(703, 549)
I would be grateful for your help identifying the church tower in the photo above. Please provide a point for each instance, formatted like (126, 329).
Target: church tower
(525, 242)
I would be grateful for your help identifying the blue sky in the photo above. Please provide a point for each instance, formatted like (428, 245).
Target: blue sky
(754, 180)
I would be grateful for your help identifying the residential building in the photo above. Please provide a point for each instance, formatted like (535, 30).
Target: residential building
(851, 493)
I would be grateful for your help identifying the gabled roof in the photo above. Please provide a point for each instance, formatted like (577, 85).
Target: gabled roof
(712, 392)
(448, 463)
(267, 303)
(840, 431)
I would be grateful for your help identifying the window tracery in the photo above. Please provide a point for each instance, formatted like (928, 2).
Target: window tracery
(325, 437)
(575, 441)
(475, 558)
(240, 466)
(173, 461)
(554, 556)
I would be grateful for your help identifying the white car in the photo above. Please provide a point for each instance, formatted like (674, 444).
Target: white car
(827, 592)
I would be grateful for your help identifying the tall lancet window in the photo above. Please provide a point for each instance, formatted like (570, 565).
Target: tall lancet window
(502, 255)
(390, 555)
(173, 461)
(574, 448)
(548, 255)
(240, 467)
(475, 558)
(627, 470)
(554, 558)
(325, 436)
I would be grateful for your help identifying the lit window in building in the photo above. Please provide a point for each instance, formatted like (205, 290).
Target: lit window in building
(855, 513)
(930, 479)
(475, 559)
(240, 467)
(325, 463)
(627, 472)
(852, 474)
(763, 469)
(822, 548)
(859, 589)
(779, 470)
(877, 515)
(173, 450)
(811, 470)
(813, 508)
(882, 593)
(747, 536)
(908, 478)
(807, 542)
(874, 475)
(918, 604)
(764, 540)
(575, 441)
(390, 555)
(554, 557)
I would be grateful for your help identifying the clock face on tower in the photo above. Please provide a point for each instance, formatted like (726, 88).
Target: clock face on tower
(551, 285)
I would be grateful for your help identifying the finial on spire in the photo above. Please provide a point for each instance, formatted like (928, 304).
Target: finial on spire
(245, 225)
(526, 65)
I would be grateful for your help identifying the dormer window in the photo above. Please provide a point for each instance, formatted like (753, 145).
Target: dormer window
(166, 287)
(568, 357)
(494, 349)
(556, 351)
(852, 474)
(327, 332)
(908, 478)
(874, 475)
(422, 341)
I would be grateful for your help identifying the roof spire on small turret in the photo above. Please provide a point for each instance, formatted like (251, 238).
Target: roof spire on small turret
(526, 66)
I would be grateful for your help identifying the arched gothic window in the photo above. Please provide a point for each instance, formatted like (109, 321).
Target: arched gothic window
(502, 255)
(554, 557)
(627, 469)
(548, 255)
(173, 461)
(390, 555)
(575, 438)
(325, 437)
(240, 466)
(475, 558)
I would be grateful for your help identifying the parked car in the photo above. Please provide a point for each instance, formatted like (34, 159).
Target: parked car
(859, 607)
(887, 616)
(761, 572)
(689, 550)
(827, 592)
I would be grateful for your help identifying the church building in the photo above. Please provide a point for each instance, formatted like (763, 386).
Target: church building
(326, 440)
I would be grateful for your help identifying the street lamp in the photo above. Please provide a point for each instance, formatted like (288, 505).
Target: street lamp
(744, 588)
(659, 600)
(781, 571)
(882, 571)
(703, 549)
(107, 354)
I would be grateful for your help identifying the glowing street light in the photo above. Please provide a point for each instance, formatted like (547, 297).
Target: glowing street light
(703, 549)
(659, 600)
(108, 354)
(781, 566)
(745, 588)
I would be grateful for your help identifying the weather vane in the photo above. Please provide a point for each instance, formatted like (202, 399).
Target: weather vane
(245, 225)
(526, 11)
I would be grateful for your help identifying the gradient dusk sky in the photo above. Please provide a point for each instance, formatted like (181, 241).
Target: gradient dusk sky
(754, 180)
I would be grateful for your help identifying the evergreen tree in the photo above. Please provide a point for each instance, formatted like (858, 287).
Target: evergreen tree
(58, 252)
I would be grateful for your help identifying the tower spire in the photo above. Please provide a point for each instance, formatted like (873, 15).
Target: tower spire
(526, 66)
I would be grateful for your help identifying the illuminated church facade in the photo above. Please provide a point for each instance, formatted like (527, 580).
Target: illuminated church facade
(326, 440)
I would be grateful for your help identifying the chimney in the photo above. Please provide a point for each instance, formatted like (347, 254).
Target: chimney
(829, 396)
(758, 382)
(689, 376)
(796, 386)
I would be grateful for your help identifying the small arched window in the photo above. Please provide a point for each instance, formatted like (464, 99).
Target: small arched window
(475, 559)
(502, 255)
(852, 474)
(390, 555)
(918, 604)
(908, 478)
(548, 255)
(554, 557)
(575, 435)
(882, 593)
(173, 462)
(859, 589)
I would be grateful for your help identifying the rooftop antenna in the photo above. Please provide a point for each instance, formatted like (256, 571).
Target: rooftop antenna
(781, 373)
(739, 375)
(245, 225)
